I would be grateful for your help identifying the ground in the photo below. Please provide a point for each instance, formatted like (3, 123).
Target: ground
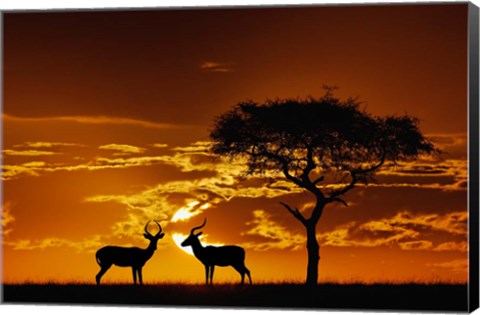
(434, 297)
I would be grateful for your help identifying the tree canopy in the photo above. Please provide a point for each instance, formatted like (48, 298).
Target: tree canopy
(306, 137)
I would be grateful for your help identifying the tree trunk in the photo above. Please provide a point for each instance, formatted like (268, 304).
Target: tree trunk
(313, 250)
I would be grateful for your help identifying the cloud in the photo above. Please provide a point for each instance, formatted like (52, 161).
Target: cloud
(37, 168)
(196, 147)
(452, 246)
(140, 208)
(224, 186)
(198, 195)
(86, 245)
(339, 237)
(457, 265)
(159, 145)
(28, 153)
(212, 66)
(106, 163)
(15, 171)
(193, 197)
(192, 159)
(405, 230)
(452, 170)
(460, 185)
(272, 234)
(123, 148)
(446, 175)
(225, 181)
(198, 158)
(7, 219)
(43, 144)
(453, 223)
(423, 167)
(427, 167)
(184, 162)
(450, 142)
(415, 245)
(94, 120)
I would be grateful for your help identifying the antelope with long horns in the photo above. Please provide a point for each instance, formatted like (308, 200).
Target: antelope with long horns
(211, 256)
(134, 257)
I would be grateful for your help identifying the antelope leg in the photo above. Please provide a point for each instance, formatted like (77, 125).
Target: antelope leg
(134, 272)
(211, 273)
(207, 269)
(101, 273)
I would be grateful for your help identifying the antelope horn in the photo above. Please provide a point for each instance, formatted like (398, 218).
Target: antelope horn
(159, 227)
(146, 225)
(199, 227)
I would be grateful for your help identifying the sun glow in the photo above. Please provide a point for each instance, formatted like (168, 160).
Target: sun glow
(192, 208)
(178, 238)
(189, 211)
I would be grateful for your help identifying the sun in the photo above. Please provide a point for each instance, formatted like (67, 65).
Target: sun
(186, 212)
(181, 215)
(190, 210)
(178, 238)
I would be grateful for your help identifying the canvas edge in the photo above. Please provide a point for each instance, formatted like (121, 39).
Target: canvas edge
(473, 182)
(473, 117)
(1, 148)
(247, 6)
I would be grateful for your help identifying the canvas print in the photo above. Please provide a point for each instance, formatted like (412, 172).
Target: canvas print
(268, 157)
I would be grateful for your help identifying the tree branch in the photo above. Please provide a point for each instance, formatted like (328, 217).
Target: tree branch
(285, 171)
(295, 213)
(337, 199)
(318, 180)
(310, 163)
(304, 180)
(355, 178)
(264, 153)
(290, 177)
(305, 177)
(373, 168)
(340, 192)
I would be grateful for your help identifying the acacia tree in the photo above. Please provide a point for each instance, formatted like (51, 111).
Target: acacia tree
(313, 142)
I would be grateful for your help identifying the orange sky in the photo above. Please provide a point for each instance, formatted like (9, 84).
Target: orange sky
(106, 119)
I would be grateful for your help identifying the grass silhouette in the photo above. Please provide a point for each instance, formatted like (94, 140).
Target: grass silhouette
(359, 296)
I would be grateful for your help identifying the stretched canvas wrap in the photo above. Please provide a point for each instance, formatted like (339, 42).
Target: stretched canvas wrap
(298, 157)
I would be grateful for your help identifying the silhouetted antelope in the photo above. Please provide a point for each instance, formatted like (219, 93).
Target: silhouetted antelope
(212, 256)
(128, 256)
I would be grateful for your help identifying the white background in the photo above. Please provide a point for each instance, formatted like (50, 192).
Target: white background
(73, 4)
